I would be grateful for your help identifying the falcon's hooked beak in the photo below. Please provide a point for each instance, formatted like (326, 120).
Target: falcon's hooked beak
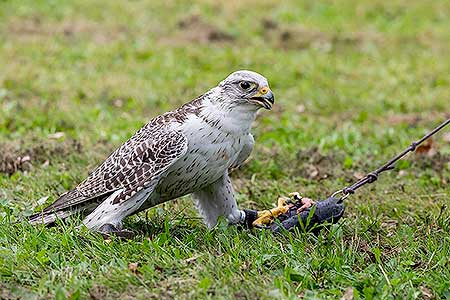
(263, 97)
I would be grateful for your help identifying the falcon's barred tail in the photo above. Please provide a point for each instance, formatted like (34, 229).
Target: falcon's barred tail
(68, 204)
(49, 217)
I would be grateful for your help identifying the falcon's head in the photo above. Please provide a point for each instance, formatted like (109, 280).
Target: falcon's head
(247, 88)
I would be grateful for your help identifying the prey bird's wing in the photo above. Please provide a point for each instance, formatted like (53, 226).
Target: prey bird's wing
(132, 167)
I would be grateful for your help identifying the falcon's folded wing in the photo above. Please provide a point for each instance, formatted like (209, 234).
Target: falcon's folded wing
(132, 167)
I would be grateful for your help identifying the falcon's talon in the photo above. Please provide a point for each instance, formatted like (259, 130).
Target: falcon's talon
(267, 216)
(284, 204)
(259, 226)
(109, 230)
(296, 196)
(122, 235)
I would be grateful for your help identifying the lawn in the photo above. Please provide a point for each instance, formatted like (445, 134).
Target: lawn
(355, 82)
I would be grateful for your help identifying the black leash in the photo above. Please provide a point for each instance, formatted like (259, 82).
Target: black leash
(390, 165)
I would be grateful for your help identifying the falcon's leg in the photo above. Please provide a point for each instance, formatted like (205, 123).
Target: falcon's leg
(107, 217)
(217, 200)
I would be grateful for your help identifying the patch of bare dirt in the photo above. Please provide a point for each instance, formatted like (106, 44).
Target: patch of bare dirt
(415, 119)
(6, 293)
(411, 119)
(314, 165)
(166, 288)
(434, 160)
(98, 292)
(299, 37)
(18, 292)
(428, 155)
(36, 28)
(17, 156)
(28, 26)
(195, 30)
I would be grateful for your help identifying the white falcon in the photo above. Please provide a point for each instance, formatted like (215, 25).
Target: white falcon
(185, 151)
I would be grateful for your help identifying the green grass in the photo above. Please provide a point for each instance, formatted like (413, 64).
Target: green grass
(355, 82)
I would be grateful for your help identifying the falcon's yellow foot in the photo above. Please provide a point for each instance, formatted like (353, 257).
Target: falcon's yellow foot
(265, 217)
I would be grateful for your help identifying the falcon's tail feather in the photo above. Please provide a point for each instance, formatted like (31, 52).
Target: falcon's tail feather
(48, 218)
(66, 205)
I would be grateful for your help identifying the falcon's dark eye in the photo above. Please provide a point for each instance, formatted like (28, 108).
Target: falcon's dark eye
(245, 85)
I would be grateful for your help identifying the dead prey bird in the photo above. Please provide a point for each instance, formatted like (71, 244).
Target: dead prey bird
(185, 151)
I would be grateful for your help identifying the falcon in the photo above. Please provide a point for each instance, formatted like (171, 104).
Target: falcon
(189, 150)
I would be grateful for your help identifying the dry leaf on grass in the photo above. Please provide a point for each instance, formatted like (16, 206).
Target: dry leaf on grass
(426, 148)
(133, 267)
(427, 294)
(358, 175)
(56, 135)
(300, 108)
(192, 259)
(348, 294)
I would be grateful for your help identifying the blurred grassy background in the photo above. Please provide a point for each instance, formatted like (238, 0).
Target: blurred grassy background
(355, 82)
